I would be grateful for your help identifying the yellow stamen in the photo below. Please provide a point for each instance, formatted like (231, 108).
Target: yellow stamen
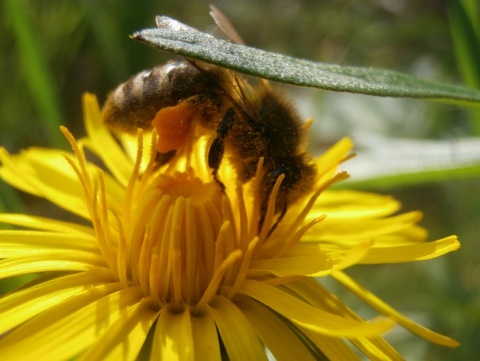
(272, 200)
(242, 272)
(212, 288)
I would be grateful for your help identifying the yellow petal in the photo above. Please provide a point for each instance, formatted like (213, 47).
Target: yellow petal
(71, 327)
(205, 337)
(100, 139)
(125, 338)
(237, 334)
(333, 156)
(17, 171)
(50, 261)
(383, 308)
(297, 265)
(173, 339)
(24, 243)
(278, 337)
(377, 348)
(348, 204)
(411, 235)
(46, 224)
(314, 293)
(338, 259)
(333, 348)
(22, 305)
(47, 174)
(416, 252)
(309, 317)
(8, 174)
(351, 232)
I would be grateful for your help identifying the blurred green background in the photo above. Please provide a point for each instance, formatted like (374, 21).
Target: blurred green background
(53, 51)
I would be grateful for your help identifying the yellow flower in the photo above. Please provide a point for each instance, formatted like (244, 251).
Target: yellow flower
(169, 267)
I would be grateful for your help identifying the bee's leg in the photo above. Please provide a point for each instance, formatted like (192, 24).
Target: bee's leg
(279, 219)
(215, 153)
(268, 182)
(277, 222)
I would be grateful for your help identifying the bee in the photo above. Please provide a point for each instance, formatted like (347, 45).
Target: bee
(245, 122)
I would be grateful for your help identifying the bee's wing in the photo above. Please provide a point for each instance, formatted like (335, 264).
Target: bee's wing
(247, 95)
(235, 88)
(225, 25)
(229, 30)
(241, 94)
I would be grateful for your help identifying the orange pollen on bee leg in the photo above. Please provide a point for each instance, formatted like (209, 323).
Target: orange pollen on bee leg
(173, 126)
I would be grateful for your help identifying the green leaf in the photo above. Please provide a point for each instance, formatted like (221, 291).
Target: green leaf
(175, 37)
(386, 163)
(401, 180)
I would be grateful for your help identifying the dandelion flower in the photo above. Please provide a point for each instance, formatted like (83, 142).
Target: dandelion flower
(169, 267)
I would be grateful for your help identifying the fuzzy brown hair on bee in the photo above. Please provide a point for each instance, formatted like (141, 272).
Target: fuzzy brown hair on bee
(246, 123)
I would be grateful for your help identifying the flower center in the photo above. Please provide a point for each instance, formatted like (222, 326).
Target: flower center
(182, 240)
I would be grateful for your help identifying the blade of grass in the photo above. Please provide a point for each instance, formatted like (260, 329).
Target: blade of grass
(37, 75)
(108, 38)
(466, 38)
(385, 162)
(399, 180)
(467, 43)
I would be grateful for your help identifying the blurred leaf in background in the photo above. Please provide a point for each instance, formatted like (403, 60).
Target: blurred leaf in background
(53, 51)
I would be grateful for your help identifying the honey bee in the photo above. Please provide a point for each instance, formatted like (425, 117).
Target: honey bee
(246, 122)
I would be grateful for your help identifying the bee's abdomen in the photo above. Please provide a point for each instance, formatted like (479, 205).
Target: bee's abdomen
(133, 104)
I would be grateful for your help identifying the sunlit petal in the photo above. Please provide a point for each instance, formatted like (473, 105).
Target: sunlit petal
(99, 137)
(417, 252)
(383, 308)
(309, 317)
(126, 337)
(45, 224)
(283, 343)
(237, 333)
(173, 338)
(65, 330)
(20, 306)
(205, 337)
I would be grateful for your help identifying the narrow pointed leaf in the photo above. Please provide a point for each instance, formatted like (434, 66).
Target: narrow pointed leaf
(175, 37)
(386, 163)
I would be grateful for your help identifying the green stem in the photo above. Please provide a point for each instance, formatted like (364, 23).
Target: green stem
(463, 15)
(36, 72)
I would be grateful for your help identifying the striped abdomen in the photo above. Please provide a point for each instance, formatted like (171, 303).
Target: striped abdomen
(133, 104)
